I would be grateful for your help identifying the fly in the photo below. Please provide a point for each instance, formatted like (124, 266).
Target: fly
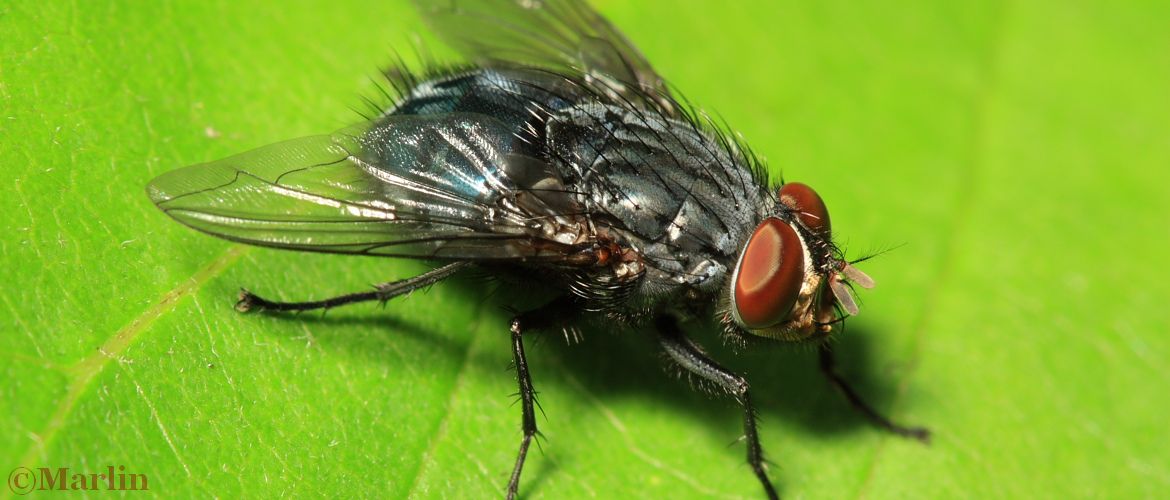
(560, 154)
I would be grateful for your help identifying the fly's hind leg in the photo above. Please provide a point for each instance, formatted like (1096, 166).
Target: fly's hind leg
(829, 368)
(249, 301)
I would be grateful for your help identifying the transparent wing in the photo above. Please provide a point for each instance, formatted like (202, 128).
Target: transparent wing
(566, 36)
(411, 186)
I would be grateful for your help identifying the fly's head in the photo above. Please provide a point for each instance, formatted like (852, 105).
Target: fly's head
(790, 282)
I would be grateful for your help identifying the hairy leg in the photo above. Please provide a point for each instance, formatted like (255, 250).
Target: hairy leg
(251, 302)
(691, 358)
(829, 368)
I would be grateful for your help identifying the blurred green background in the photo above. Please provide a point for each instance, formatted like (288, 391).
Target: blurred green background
(1016, 154)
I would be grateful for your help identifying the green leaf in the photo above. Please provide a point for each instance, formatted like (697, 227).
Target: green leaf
(1014, 156)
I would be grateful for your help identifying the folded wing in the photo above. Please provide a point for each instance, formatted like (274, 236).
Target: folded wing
(566, 36)
(432, 187)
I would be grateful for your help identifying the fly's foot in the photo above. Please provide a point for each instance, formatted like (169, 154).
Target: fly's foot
(249, 301)
(920, 434)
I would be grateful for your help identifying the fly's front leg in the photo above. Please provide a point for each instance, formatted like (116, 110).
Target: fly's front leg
(829, 368)
(688, 355)
(543, 317)
(251, 302)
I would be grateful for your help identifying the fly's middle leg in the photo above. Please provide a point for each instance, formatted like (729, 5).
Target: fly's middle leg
(249, 301)
(527, 399)
(552, 314)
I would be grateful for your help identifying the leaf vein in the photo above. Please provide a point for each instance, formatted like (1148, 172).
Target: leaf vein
(441, 430)
(84, 371)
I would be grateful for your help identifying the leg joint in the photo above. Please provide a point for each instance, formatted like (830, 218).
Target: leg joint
(517, 325)
(739, 387)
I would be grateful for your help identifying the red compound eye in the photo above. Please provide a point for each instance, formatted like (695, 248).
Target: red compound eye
(770, 273)
(808, 203)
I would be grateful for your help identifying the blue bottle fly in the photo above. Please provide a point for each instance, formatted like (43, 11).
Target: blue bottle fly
(559, 154)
